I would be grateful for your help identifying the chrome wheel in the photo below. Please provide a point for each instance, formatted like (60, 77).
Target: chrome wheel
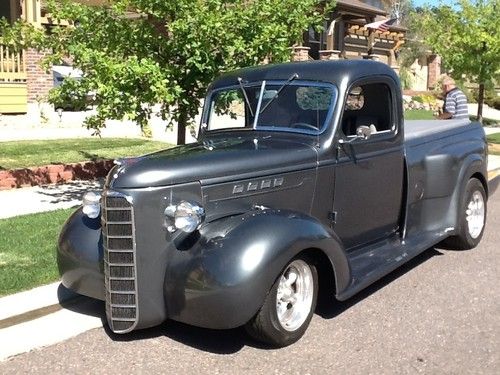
(295, 295)
(475, 213)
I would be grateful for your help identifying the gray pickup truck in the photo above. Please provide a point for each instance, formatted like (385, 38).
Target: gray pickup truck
(304, 179)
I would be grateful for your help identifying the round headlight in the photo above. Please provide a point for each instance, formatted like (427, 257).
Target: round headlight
(186, 216)
(91, 204)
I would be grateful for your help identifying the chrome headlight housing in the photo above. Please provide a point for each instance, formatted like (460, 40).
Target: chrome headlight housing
(185, 216)
(91, 204)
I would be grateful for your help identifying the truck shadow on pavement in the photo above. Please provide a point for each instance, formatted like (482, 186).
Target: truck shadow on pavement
(209, 340)
(80, 304)
(69, 192)
(233, 340)
(329, 307)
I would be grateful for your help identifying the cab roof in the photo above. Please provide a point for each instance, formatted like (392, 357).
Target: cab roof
(328, 71)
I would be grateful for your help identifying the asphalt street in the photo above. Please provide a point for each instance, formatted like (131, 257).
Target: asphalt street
(438, 314)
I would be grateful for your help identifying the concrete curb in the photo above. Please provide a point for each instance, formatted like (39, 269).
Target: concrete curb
(16, 307)
(57, 173)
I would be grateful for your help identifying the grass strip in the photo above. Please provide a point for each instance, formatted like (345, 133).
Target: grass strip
(494, 143)
(24, 154)
(494, 138)
(28, 250)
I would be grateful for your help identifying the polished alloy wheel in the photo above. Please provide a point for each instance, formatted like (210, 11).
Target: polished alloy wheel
(475, 214)
(295, 295)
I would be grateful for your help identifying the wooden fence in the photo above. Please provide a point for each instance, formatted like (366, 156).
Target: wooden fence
(12, 65)
(13, 77)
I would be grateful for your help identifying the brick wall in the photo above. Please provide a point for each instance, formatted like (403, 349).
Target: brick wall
(39, 81)
(300, 53)
(434, 70)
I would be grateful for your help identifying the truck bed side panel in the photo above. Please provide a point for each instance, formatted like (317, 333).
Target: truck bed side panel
(440, 156)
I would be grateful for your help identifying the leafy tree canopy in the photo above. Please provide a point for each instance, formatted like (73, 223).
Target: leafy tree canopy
(138, 53)
(467, 36)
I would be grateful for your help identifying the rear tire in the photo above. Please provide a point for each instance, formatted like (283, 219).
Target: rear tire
(289, 305)
(472, 217)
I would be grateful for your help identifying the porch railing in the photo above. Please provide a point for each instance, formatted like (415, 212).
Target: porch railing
(12, 65)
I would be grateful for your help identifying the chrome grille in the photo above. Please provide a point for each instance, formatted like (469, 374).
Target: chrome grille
(118, 238)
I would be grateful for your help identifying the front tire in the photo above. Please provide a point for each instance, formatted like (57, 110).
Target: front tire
(289, 306)
(472, 217)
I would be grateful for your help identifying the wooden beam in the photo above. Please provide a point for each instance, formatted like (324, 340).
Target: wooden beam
(48, 20)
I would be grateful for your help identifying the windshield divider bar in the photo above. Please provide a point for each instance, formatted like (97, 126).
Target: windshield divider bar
(257, 111)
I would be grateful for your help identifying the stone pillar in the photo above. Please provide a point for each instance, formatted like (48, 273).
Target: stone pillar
(300, 53)
(39, 81)
(329, 54)
(433, 70)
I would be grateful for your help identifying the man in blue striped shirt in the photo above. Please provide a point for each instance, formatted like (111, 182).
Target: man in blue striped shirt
(455, 102)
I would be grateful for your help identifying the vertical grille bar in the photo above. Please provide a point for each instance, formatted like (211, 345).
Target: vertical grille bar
(118, 235)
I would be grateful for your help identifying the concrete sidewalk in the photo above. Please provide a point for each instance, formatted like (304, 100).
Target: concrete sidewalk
(34, 199)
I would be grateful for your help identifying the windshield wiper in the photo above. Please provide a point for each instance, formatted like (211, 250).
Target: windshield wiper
(292, 77)
(240, 81)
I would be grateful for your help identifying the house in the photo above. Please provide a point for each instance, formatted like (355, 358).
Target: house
(23, 83)
(345, 35)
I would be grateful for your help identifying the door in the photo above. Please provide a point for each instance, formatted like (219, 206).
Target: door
(370, 172)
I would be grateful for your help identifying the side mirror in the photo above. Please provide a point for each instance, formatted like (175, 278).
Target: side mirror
(364, 132)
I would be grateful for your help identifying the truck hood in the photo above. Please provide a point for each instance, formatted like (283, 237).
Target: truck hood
(216, 159)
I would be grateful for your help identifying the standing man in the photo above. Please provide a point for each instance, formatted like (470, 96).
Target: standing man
(455, 101)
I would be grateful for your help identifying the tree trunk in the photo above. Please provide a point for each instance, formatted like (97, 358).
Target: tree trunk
(480, 101)
(181, 125)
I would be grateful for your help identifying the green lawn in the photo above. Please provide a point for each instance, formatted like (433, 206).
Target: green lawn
(22, 154)
(418, 114)
(494, 138)
(494, 144)
(28, 250)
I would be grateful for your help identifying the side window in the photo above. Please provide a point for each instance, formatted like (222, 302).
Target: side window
(368, 105)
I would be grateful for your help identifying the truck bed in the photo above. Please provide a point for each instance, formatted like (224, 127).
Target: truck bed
(421, 131)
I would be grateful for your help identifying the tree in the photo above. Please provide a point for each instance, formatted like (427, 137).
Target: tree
(399, 9)
(136, 54)
(467, 36)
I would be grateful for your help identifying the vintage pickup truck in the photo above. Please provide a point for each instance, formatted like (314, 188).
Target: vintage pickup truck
(304, 176)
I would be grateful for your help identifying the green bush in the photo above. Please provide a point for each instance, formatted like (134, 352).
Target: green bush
(405, 78)
(493, 102)
(491, 97)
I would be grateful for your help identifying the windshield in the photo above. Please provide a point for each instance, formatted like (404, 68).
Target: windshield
(281, 106)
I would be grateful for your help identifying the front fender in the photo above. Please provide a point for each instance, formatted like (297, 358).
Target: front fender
(222, 280)
(80, 254)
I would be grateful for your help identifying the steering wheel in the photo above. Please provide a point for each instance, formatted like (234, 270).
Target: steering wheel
(303, 125)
